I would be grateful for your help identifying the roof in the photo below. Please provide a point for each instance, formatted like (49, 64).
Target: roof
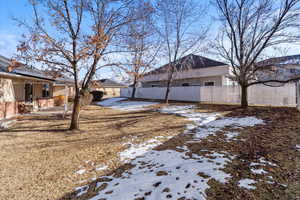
(190, 61)
(64, 80)
(32, 72)
(60, 78)
(281, 61)
(29, 71)
(106, 83)
(23, 70)
(12, 75)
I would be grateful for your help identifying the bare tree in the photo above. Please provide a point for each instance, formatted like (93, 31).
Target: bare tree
(249, 29)
(73, 36)
(142, 44)
(183, 29)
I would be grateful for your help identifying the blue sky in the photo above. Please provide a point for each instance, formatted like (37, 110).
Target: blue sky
(9, 31)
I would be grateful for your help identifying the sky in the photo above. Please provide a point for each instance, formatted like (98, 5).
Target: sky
(10, 32)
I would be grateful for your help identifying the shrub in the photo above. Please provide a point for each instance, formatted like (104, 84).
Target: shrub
(97, 95)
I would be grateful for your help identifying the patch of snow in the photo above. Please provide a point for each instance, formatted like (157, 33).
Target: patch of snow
(254, 164)
(110, 101)
(261, 162)
(237, 122)
(101, 167)
(168, 172)
(247, 183)
(298, 147)
(120, 104)
(82, 190)
(81, 171)
(207, 123)
(231, 135)
(136, 150)
(213, 127)
(188, 112)
(258, 171)
(265, 162)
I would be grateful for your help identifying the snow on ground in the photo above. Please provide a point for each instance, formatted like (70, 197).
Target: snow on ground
(169, 173)
(263, 161)
(136, 150)
(82, 190)
(81, 171)
(121, 104)
(213, 127)
(166, 174)
(188, 112)
(110, 101)
(247, 183)
(206, 124)
(258, 171)
(91, 165)
(231, 135)
(101, 167)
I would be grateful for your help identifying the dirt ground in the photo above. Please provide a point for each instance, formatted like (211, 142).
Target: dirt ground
(39, 158)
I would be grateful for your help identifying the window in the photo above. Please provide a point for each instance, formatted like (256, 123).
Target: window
(210, 83)
(185, 84)
(46, 90)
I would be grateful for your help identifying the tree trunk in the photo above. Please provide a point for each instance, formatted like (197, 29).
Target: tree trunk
(75, 114)
(244, 98)
(133, 89)
(167, 92)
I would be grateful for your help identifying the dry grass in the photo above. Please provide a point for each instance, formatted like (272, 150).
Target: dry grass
(39, 157)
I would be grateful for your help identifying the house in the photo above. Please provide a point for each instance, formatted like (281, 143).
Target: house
(192, 70)
(279, 68)
(63, 87)
(109, 87)
(23, 88)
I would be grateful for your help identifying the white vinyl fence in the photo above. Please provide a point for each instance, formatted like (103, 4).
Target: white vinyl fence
(257, 94)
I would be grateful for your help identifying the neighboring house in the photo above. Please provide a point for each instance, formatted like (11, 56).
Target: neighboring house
(63, 87)
(194, 71)
(280, 68)
(110, 87)
(22, 88)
